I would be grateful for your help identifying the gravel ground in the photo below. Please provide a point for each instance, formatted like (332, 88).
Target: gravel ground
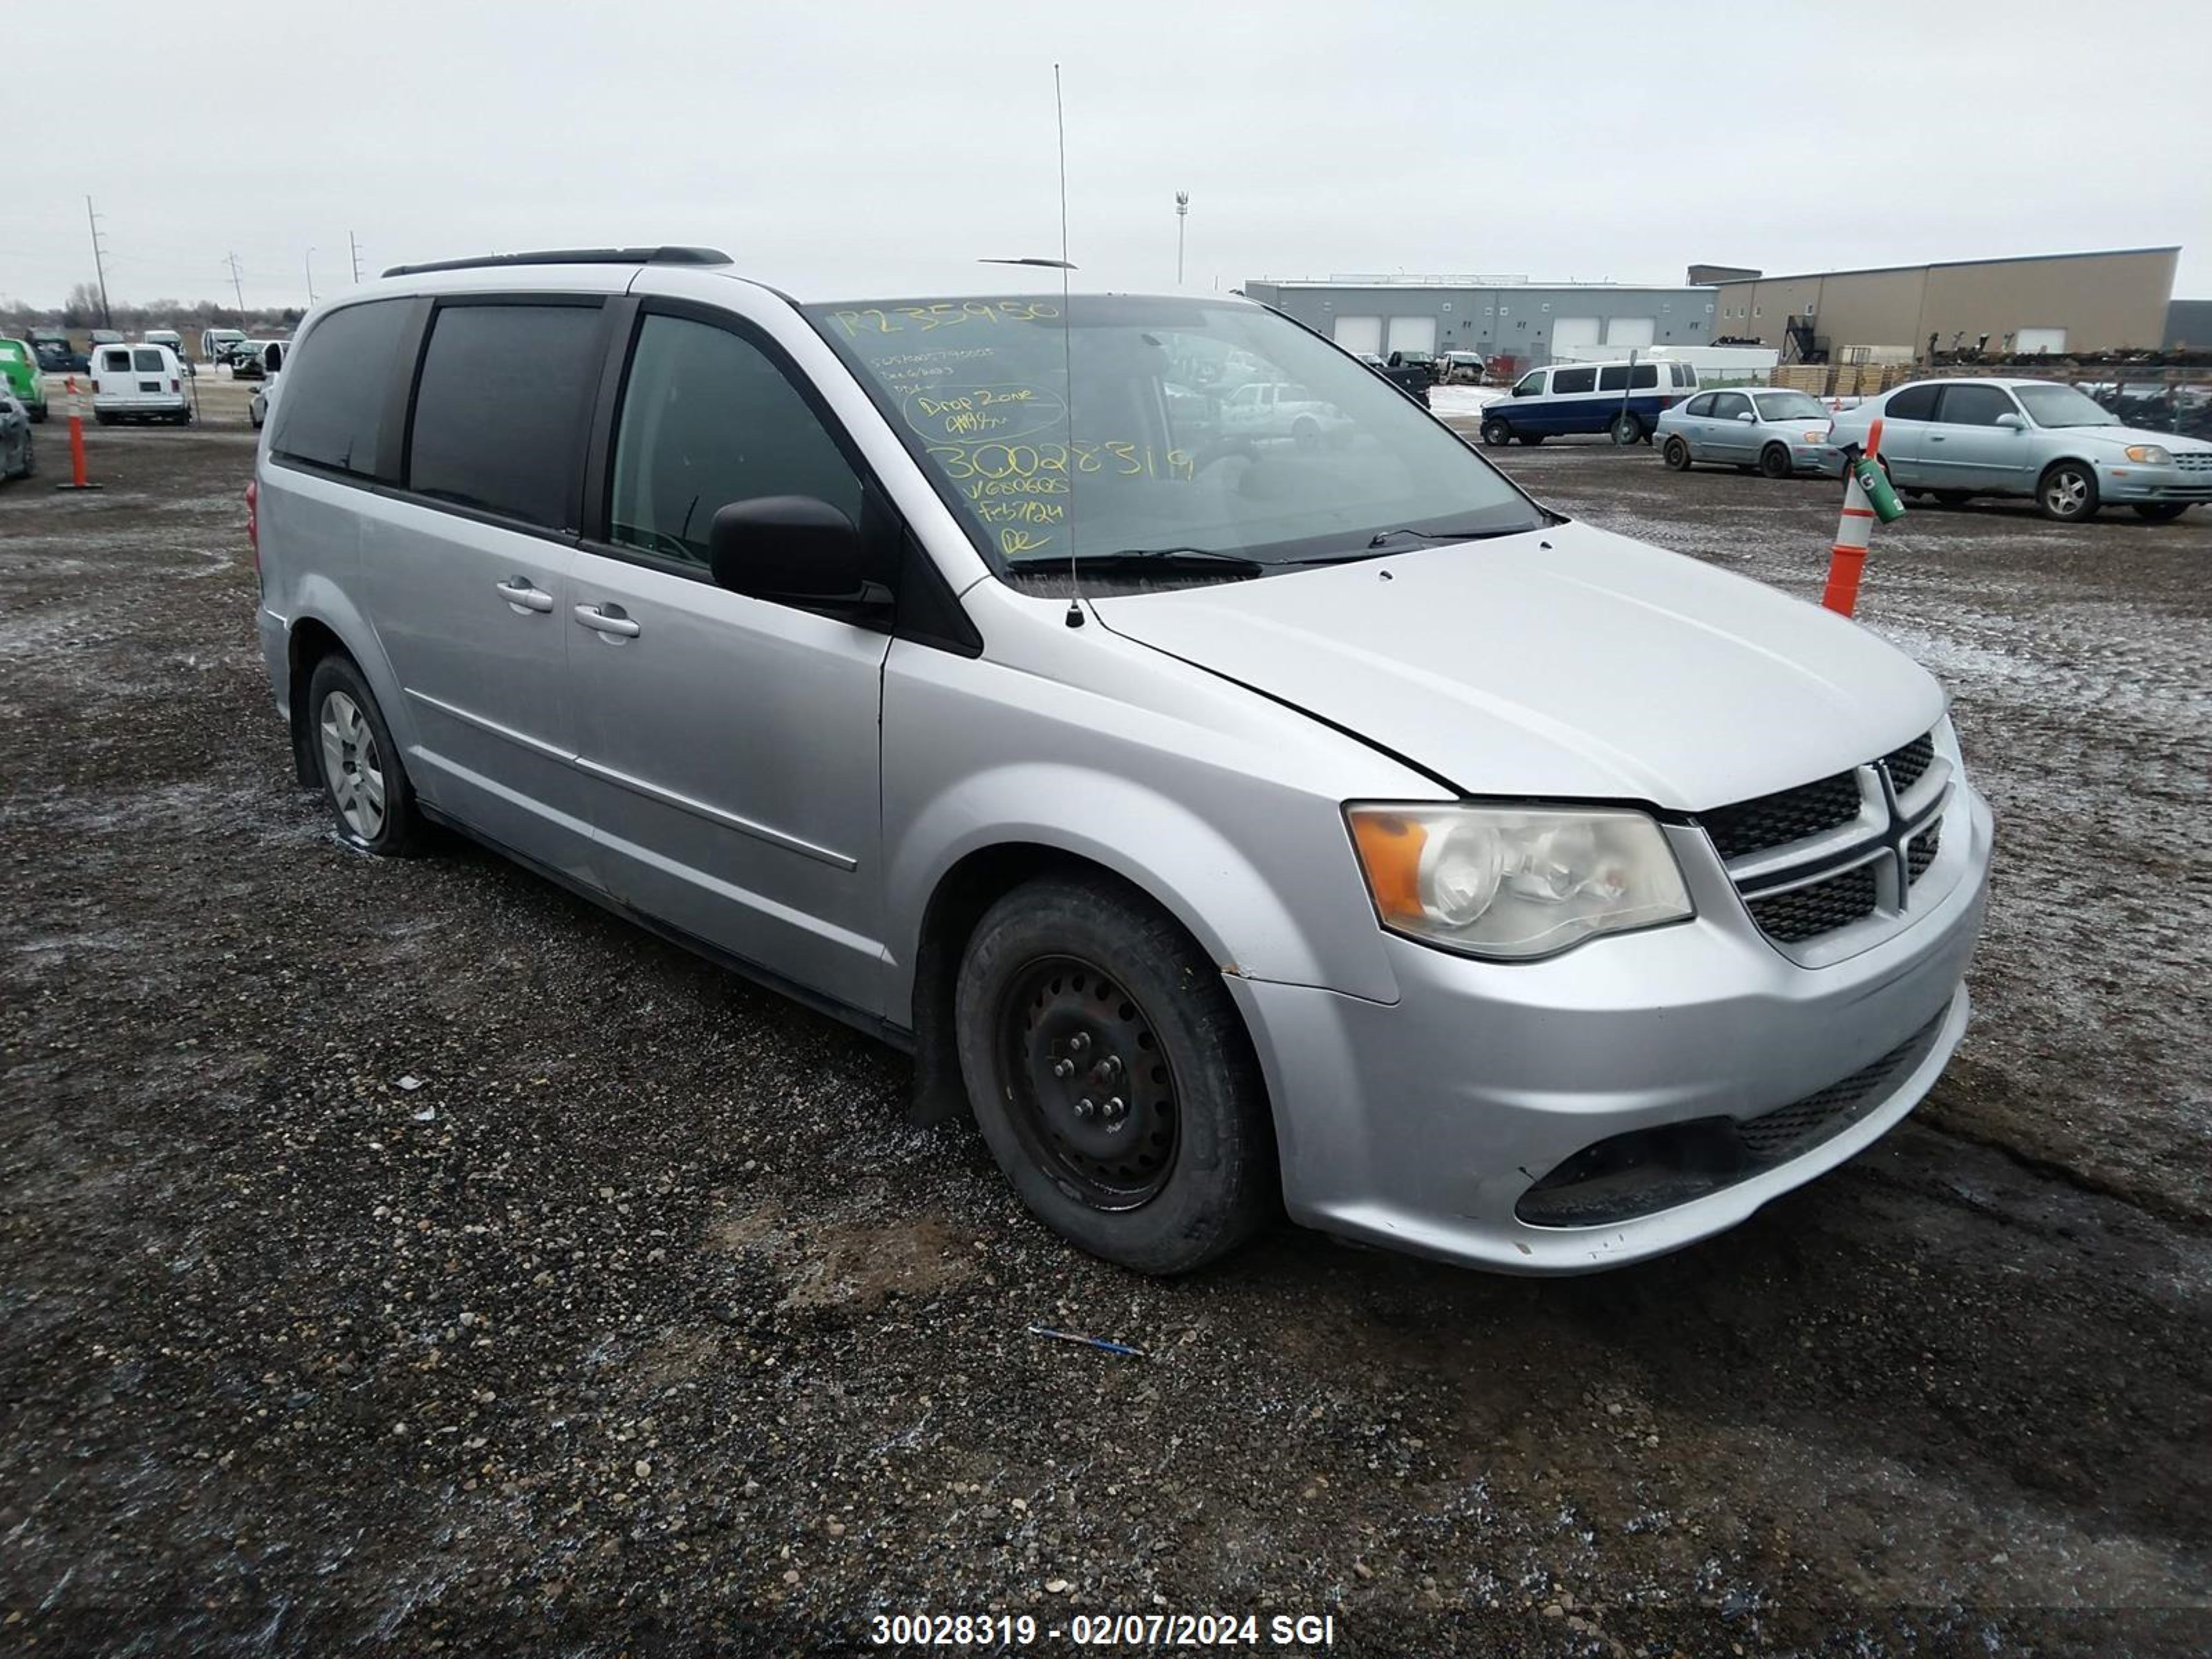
(408, 1258)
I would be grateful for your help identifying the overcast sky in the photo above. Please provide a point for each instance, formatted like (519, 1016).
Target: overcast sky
(850, 149)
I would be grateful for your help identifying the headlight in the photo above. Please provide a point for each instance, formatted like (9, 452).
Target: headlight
(2150, 454)
(1516, 883)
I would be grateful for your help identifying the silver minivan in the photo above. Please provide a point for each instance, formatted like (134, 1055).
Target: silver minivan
(1229, 823)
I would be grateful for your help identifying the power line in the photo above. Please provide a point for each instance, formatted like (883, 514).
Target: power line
(237, 287)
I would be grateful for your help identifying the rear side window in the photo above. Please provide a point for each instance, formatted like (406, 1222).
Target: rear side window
(1686, 376)
(708, 419)
(1914, 402)
(1573, 380)
(1700, 404)
(333, 404)
(146, 362)
(1975, 405)
(1620, 377)
(500, 410)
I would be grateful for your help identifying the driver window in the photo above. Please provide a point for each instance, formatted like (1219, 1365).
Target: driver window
(1530, 385)
(708, 419)
(1729, 405)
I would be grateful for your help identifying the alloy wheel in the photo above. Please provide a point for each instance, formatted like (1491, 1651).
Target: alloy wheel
(353, 766)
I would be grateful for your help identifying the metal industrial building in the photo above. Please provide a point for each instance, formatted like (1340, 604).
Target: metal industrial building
(2063, 302)
(1497, 316)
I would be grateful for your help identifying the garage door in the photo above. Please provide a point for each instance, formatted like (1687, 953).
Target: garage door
(2033, 340)
(1360, 334)
(1573, 331)
(1632, 331)
(1414, 334)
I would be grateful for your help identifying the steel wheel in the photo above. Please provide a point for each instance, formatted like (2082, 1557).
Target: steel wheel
(1774, 461)
(353, 765)
(1676, 454)
(1093, 1096)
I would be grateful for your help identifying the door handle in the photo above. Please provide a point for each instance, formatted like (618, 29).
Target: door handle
(1935, 437)
(518, 592)
(599, 621)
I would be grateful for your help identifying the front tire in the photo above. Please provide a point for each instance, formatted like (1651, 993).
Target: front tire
(2161, 511)
(2066, 493)
(1676, 454)
(363, 777)
(1074, 993)
(1497, 433)
(1774, 461)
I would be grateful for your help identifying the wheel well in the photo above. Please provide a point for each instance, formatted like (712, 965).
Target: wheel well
(309, 643)
(964, 892)
(1774, 444)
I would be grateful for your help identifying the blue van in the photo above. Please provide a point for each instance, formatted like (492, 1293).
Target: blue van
(1623, 399)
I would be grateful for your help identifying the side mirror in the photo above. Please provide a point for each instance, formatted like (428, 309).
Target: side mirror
(2017, 422)
(798, 550)
(1747, 417)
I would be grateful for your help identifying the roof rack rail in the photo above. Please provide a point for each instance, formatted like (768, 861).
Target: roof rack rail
(576, 255)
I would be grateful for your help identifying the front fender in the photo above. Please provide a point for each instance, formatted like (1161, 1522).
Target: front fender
(1152, 840)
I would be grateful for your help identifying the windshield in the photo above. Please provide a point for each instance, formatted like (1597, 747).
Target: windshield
(1789, 406)
(2061, 405)
(1194, 425)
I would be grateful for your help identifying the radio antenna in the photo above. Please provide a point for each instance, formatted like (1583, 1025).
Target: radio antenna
(1068, 357)
(1067, 351)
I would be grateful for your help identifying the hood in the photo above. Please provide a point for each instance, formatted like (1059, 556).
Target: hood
(2121, 436)
(1567, 663)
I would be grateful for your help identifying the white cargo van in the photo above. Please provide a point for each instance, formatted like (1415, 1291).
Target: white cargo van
(138, 383)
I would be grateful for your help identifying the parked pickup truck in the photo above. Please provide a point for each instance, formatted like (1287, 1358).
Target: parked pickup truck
(1412, 379)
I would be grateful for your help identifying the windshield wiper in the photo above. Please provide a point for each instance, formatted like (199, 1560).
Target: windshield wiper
(1383, 536)
(1155, 558)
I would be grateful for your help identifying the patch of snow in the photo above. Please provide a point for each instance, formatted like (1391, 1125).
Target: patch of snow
(1449, 400)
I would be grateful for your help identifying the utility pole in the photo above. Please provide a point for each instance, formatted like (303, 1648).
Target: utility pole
(237, 287)
(1183, 213)
(354, 248)
(310, 264)
(98, 264)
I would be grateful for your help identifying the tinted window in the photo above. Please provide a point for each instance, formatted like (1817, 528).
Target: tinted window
(1644, 376)
(1974, 405)
(147, 360)
(1914, 402)
(1614, 379)
(708, 419)
(1573, 380)
(1530, 385)
(334, 403)
(499, 409)
(1684, 375)
(1700, 404)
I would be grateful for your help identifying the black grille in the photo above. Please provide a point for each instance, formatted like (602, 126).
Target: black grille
(1818, 906)
(1922, 853)
(1637, 1174)
(1753, 826)
(1908, 764)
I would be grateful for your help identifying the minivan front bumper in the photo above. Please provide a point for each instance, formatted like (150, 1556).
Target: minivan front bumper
(1424, 1124)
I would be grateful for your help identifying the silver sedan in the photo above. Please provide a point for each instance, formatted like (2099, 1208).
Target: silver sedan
(1779, 432)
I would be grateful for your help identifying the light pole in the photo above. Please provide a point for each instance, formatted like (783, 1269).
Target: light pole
(310, 264)
(1183, 213)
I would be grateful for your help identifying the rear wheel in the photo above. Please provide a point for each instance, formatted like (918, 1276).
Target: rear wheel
(2161, 511)
(1497, 433)
(1112, 1077)
(1531, 439)
(1774, 461)
(2067, 492)
(1676, 454)
(30, 458)
(363, 777)
(1626, 428)
(38, 413)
